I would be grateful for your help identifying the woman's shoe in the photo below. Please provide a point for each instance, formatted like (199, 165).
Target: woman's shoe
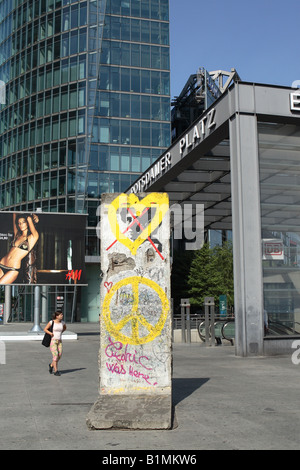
(50, 369)
(57, 373)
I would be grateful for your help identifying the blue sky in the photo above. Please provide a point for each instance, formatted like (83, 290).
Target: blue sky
(259, 38)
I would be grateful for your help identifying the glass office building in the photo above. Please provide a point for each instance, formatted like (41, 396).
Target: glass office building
(86, 108)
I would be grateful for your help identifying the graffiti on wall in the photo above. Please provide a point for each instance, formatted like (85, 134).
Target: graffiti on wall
(140, 218)
(135, 292)
(130, 302)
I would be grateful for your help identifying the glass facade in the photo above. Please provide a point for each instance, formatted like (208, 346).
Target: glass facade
(279, 159)
(87, 101)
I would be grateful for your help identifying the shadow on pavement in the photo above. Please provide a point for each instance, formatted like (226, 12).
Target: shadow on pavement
(182, 388)
(68, 371)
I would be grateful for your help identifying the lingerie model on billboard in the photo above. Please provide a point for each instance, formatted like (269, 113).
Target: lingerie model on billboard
(42, 248)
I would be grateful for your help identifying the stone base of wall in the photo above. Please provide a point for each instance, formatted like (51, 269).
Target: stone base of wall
(131, 412)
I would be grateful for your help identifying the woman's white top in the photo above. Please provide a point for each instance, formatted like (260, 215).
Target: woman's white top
(58, 330)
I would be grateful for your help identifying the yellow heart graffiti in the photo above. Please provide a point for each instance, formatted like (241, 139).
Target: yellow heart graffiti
(131, 202)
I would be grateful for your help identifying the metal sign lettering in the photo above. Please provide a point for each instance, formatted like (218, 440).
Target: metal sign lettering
(295, 101)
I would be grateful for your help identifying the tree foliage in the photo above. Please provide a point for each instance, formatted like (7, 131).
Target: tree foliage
(211, 274)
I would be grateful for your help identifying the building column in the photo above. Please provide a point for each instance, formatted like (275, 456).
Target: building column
(246, 226)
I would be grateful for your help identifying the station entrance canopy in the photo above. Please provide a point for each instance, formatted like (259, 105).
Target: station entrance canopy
(196, 168)
(237, 160)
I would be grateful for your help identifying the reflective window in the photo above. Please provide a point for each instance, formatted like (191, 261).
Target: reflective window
(279, 158)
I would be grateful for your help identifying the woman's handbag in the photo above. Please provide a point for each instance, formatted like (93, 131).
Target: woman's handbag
(47, 338)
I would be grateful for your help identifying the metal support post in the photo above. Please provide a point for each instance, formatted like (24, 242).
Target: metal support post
(44, 305)
(74, 304)
(212, 322)
(209, 309)
(7, 305)
(188, 322)
(185, 320)
(183, 338)
(36, 327)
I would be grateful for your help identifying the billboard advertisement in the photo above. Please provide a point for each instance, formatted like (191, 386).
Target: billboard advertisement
(42, 248)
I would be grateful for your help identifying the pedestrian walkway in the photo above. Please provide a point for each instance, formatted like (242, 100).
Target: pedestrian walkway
(220, 401)
(22, 332)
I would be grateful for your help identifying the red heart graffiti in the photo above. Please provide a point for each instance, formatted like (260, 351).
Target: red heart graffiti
(108, 285)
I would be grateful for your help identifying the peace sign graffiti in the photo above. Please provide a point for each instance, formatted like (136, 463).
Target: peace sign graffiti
(135, 318)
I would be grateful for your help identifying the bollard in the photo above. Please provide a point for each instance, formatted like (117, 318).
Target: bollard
(209, 309)
(185, 320)
(188, 322)
(183, 338)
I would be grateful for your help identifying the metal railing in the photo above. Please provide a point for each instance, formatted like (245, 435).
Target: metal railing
(222, 329)
(211, 328)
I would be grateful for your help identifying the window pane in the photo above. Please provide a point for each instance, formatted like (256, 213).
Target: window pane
(125, 79)
(145, 31)
(136, 164)
(125, 162)
(135, 55)
(155, 57)
(103, 157)
(104, 131)
(135, 30)
(125, 106)
(125, 132)
(104, 78)
(114, 161)
(125, 29)
(135, 106)
(115, 26)
(135, 133)
(104, 104)
(145, 56)
(116, 53)
(279, 158)
(125, 54)
(155, 33)
(165, 59)
(145, 108)
(72, 126)
(146, 139)
(145, 82)
(115, 104)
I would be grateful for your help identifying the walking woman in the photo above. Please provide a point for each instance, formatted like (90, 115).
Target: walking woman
(56, 342)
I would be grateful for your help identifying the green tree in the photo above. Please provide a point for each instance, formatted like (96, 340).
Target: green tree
(211, 274)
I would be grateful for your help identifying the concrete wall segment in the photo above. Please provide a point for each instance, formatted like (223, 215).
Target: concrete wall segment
(135, 355)
(135, 301)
